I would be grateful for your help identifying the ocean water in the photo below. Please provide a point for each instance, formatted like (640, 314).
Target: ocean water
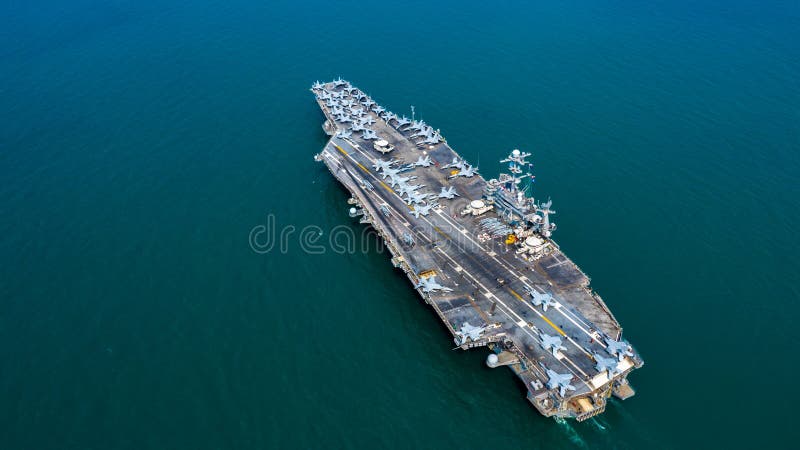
(141, 142)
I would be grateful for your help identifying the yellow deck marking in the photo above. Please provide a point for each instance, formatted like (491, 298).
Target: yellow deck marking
(387, 187)
(514, 293)
(340, 149)
(442, 233)
(362, 167)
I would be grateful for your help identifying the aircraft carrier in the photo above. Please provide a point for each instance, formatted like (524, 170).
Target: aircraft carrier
(479, 252)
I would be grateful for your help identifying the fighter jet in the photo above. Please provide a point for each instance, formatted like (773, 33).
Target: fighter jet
(417, 125)
(388, 116)
(468, 331)
(349, 90)
(379, 109)
(435, 138)
(417, 198)
(552, 343)
(403, 190)
(620, 349)
(317, 85)
(339, 82)
(603, 364)
(406, 188)
(360, 95)
(356, 111)
(343, 118)
(389, 172)
(368, 103)
(397, 180)
(369, 134)
(368, 120)
(429, 284)
(325, 95)
(403, 121)
(543, 300)
(424, 131)
(423, 161)
(448, 192)
(336, 110)
(560, 381)
(357, 127)
(330, 103)
(468, 172)
(381, 164)
(457, 163)
(343, 134)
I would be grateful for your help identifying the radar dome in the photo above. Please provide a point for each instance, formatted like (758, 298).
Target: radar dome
(491, 360)
(515, 152)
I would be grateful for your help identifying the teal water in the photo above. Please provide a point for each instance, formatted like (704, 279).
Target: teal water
(140, 142)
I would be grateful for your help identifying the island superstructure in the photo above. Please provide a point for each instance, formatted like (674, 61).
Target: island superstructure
(479, 252)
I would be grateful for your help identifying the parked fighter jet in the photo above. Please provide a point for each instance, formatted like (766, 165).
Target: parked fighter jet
(424, 131)
(457, 163)
(434, 138)
(341, 134)
(540, 299)
(388, 116)
(378, 109)
(389, 172)
(417, 125)
(368, 103)
(367, 120)
(403, 190)
(369, 134)
(330, 103)
(429, 284)
(417, 198)
(423, 210)
(343, 118)
(381, 164)
(356, 111)
(552, 343)
(603, 364)
(560, 381)
(468, 172)
(448, 192)
(468, 331)
(402, 121)
(349, 90)
(423, 161)
(317, 85)
(397, 179)
(339, 82)
(357, 127)
(620, 349)
(360, 95)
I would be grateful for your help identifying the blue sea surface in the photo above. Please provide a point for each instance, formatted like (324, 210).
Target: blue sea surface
(141, 142)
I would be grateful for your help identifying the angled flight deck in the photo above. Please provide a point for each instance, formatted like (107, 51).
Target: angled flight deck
(479, 252)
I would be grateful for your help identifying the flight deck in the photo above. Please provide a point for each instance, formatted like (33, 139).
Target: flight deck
(480, 253)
